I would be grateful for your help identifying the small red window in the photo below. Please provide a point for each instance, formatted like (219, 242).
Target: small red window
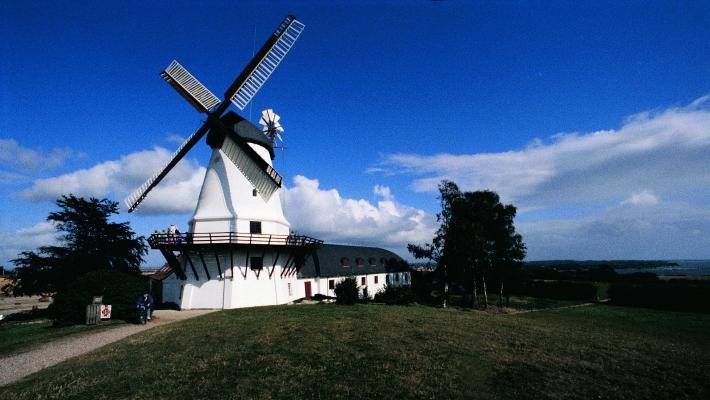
(363, 280)
(345, 262)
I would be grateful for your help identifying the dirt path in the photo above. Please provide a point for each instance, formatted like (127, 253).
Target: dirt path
(17, 366)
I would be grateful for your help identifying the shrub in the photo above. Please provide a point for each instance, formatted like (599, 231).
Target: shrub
(346, 291)
(559, 290)
(395, 295)
(674, 295)
(119, 289)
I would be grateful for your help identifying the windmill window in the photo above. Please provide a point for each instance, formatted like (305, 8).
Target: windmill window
(387, 279)
(364, 281)
(383, 262)
(345, 262)
(256, 263)
(396, 278)
(254, 226)
(253, 192)
(360, 262)
(372, 261)
(376, 280)
(331, 284)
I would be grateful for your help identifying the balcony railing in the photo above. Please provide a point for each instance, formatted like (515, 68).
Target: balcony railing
(165, 239)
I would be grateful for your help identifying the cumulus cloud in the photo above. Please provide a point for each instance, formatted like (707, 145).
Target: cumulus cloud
(177, 193)
(325, 214)
(24, 239)
(657, 151)
(17, 156)
(610, 183)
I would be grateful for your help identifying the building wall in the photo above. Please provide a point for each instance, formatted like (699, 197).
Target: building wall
(242, 286)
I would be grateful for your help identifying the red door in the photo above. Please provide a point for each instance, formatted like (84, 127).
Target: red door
(308, 290)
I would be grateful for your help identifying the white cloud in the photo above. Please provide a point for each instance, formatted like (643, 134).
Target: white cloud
(654, 155)
(323, 213)
(17, 156)
(667, 231)
(643, 198)
(116, 178)
(25, 239)
(661, 152)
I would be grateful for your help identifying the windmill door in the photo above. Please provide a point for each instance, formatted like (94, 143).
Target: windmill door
(308, 290)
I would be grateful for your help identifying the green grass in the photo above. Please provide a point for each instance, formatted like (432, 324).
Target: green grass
(18, 336)
(369, 351)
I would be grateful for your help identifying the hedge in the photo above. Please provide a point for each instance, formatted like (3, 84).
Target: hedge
(118, 289)
(691, 296)
(559, 290)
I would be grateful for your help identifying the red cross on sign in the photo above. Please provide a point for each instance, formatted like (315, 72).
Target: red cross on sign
(105, 311)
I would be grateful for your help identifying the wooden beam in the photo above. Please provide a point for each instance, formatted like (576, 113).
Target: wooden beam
(283, 269)
(231, 256)
(273, 266)
(189, 261)
(216, 257)
(204, 265)
(246, 265)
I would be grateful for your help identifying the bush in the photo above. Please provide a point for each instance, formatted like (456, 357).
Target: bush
(691, 296)
(119, 289)
(558, 290)
(395, 295)
(346, 291)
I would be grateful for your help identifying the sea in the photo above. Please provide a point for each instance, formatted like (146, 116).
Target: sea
(684, 267)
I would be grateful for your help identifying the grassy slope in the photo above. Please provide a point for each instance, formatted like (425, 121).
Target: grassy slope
(326, 351)
(18, 336)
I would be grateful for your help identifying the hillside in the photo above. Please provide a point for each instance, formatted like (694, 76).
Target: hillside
(368, 351)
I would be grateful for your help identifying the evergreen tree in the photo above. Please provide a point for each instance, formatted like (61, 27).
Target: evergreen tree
(89, 241)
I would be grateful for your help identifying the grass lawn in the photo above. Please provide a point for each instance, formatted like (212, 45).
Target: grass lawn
(369, 351)
(16, 336)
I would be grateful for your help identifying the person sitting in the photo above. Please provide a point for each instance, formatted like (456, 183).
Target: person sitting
(146, 302)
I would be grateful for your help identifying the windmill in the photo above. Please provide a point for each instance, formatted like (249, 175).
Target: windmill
(257, 171)
(271, 127)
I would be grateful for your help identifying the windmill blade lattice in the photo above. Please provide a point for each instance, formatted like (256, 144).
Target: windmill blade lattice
(135, 198)
(265, 62)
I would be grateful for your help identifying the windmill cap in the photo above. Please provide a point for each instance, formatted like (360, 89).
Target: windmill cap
(247, 131)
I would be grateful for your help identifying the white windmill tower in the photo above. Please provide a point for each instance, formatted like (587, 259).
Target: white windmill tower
(238, 221)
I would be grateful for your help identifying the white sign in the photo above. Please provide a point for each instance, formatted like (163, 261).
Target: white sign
(105, 311)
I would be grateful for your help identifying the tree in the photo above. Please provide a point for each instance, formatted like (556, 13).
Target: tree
(476, 239)
(436, 251)
(89, 242)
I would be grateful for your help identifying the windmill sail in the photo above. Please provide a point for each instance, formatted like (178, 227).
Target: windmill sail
(190, 88)
(264, 63)
(258, 172)
(135, 198)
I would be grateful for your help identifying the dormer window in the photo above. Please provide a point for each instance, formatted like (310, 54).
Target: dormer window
(372, 261)
(345, 262)
(360, 262)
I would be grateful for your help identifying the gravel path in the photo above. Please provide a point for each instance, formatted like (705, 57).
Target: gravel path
(17, 366)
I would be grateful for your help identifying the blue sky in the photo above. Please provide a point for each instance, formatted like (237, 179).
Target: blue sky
(592, 119)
